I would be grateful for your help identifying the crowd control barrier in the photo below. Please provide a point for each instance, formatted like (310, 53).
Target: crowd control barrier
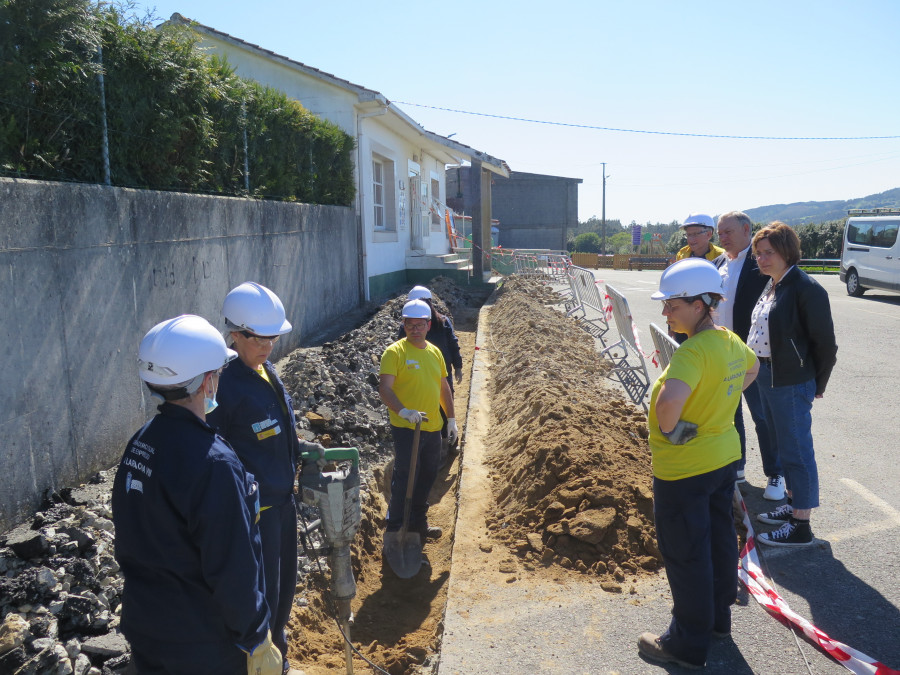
(626, 355)
(664, 345)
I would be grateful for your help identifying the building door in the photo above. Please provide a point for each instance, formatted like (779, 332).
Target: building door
(417, 221)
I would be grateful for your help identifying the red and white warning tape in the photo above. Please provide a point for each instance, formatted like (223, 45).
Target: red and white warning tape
(751, 574)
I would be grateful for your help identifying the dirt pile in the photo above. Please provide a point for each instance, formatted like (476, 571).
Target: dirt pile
(569, 455)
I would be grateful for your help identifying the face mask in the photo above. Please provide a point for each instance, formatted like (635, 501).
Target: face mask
(209, 403)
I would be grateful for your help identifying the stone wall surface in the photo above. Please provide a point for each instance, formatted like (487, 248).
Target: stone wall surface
(86, 270)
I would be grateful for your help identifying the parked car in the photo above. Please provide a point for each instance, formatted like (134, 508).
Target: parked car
(871, 256)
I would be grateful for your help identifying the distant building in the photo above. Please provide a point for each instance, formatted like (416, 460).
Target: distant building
(534, 210)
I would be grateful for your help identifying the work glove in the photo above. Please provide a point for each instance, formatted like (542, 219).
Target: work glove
(458, 376)
(411, 416)
(318, 447)
(452, 430)
(682, 433)
(265, 659)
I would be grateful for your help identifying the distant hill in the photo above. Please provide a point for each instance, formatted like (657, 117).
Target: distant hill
(801, 213)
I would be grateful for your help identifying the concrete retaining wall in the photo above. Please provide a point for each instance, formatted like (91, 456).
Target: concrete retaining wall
(86, 270)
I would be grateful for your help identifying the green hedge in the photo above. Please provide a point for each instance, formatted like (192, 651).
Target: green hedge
(176, 118)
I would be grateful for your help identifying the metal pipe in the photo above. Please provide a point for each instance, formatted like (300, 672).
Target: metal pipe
(348, 648)
(105, 138)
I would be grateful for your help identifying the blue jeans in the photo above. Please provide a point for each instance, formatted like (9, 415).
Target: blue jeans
(427, 466)
(788, 410)
(768, 450)
(695, 531)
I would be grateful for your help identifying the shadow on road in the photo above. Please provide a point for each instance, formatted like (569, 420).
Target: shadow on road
(841, 605)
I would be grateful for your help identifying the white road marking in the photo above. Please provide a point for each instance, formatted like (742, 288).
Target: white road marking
(891, 520)
(868, 311)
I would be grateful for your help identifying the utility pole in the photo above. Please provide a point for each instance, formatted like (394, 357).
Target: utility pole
(603, 236)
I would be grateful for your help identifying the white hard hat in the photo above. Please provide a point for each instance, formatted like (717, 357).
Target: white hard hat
(699, 219)
(179, 350)
(416, 309)
(689, 278)
(419, 293)
(255, 308)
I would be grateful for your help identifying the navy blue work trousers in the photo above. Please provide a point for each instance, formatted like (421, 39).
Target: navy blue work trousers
(427, 467)
(153, 657)
(278, 533)
(697, 539)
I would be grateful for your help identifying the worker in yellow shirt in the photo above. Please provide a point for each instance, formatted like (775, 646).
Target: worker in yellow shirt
(699, 229)
(413, 385)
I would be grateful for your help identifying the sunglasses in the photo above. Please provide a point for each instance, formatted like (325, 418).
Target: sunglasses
(260, 339)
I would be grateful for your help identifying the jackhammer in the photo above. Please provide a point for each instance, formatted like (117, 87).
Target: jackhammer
(336, 495)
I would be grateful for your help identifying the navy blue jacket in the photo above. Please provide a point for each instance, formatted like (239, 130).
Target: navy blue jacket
(801, 332)
(187, 542)
(442, 336)
(257, 418)
(750, 285)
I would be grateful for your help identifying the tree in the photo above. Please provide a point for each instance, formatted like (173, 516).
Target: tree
(587, 242)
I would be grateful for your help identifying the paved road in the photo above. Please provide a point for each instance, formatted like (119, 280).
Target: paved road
(847, 585)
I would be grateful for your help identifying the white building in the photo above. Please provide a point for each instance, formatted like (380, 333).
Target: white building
(399, 175)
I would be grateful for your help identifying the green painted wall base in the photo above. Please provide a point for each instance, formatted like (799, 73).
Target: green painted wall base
(385, 285)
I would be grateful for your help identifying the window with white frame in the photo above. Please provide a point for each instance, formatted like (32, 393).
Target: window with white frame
(383, 196)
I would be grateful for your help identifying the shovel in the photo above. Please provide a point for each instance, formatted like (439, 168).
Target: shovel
(403, 549)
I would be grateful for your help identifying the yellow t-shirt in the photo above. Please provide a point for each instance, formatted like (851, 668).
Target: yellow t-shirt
(713, 253)
(419, 374)
(713, 364)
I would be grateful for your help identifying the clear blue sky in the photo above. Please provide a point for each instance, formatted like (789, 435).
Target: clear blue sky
(784, 69)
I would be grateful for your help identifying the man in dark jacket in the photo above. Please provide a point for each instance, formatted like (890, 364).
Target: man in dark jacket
(743, 285)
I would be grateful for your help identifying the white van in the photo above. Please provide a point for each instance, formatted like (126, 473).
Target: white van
(871, 257)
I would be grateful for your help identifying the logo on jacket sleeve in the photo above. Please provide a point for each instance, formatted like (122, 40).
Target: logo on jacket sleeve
(132, 484)
(266, 428)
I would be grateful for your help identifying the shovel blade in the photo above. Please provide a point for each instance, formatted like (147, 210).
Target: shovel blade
(403, 552)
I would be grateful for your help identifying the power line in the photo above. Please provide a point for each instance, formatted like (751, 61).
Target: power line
(645, 131)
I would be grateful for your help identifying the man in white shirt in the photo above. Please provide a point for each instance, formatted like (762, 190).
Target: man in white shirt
(743, 285)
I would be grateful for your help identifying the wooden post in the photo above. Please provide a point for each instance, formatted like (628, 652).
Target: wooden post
(477, 225)
(486, 238)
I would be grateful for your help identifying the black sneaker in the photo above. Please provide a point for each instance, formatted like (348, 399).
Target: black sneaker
(777, 517)
(791, 533)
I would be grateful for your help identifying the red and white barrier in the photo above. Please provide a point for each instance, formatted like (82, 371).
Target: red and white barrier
(751, 574)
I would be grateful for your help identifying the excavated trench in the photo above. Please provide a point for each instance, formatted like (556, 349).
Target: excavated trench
(571, 481)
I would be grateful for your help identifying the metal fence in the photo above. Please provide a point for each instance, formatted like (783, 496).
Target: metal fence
(665, 345)
(585, 295)
(629, 366)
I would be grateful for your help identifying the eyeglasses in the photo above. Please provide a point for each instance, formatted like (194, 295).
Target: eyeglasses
(417, 325)
(695, 235)
(668, 306)
(261, 340)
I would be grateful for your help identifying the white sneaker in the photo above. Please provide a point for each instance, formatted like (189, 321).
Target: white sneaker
(741, 476)
(775, 489)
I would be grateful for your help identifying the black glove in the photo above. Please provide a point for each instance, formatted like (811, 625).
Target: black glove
(682, 433)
